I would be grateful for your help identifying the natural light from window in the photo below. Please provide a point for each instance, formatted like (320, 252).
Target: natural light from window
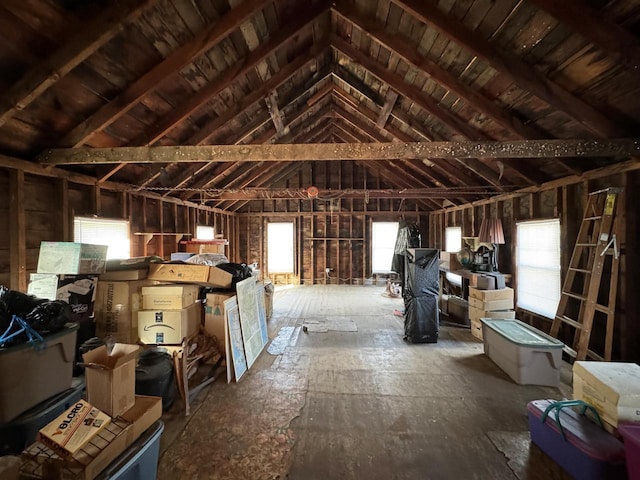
(103, 231)
(538, 266)
(383, 243)
(280, 247)
(453, 243)
(204, 232)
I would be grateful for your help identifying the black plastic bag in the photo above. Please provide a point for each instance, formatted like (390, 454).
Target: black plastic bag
(240, 271)
(421, 321)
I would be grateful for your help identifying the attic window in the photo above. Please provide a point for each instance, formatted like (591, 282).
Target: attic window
(204, 232)
(104, 231)
(538, 266)
(383, 242)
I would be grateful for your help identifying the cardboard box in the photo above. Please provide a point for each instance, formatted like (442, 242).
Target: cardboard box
(488, 295)
(184, 273)
(68, 433)
(214, 315)
(134, 263)
(89, 462)
(169, 326)
(449, 261)
(491, 305)
(111, 378)
(181, 256)
(169, 297)
(124, 275)
(116, 308)
(478, 313)
(79, 291)
(613, 388)
(71, 258)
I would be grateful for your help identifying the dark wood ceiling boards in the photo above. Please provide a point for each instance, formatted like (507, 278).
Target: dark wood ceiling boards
(148, 73)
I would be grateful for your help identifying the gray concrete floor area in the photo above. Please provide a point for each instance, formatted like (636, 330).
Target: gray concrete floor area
(349, 399)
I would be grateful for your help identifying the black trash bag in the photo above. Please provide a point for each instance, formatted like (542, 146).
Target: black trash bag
(421, 321)
(423, 273)
(50, 316)
(240, 271)
(18, 303)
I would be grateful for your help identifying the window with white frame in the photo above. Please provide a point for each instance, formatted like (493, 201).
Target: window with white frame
(383, 244)
(280, 252)
(453, 239)
(453, 243)
(104, 231)
(204, 232)
(538, 266)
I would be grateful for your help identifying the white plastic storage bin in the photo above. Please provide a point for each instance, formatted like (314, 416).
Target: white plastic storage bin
(527, 355)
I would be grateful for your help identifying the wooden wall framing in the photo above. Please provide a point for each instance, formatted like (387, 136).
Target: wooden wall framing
(565, 202)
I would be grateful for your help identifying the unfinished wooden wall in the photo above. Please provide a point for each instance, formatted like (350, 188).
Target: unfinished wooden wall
(566, 202)
(36, 208)
(330, 232)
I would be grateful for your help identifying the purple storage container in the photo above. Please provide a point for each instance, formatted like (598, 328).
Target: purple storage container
(586, 451)
(631, 434)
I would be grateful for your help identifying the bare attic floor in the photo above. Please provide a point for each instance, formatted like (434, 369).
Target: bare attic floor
(337, 404)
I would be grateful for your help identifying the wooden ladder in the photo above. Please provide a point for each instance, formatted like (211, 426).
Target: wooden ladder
(597, 239)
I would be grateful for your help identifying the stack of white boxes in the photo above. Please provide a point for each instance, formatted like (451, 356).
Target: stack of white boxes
(169, 314)
(489, 304)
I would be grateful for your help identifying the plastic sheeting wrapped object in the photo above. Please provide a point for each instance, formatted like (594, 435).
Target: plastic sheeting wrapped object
(421, 321)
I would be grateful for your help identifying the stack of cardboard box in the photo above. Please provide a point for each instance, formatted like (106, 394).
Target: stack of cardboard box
(170, 313)
(489, 304)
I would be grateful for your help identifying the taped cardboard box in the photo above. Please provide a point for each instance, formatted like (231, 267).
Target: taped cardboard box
(116, 309)
(491, 305)
(158, 327)
(72, 430)
(489, 295)
(169, 297)
(111, 377)
(613, 388)
(71, 258)
(40, 462)
(124, 275)
(183, 273)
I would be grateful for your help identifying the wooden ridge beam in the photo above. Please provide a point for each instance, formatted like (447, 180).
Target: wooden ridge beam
(291, 29)
(596, 28)
(83, 44)
(172, 64)
(576, 148)
(448, 81)
(520, 72)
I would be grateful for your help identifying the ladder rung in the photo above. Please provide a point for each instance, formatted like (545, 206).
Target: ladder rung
(594, 356)
(603, 309)
(582, 270)
(598, 217)
(575, 295)
(586, 244)
(570, 351)
(569, 321)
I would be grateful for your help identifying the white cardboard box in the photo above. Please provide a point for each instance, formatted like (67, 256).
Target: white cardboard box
(613, 388)
(71, 258)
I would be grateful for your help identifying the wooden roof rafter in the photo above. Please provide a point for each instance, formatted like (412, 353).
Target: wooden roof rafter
(526, 76)
(93, 35)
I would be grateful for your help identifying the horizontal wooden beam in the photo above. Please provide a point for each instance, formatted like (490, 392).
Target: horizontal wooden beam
(614, 169)
(35, 169)
(331, 194)
(623, 147)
